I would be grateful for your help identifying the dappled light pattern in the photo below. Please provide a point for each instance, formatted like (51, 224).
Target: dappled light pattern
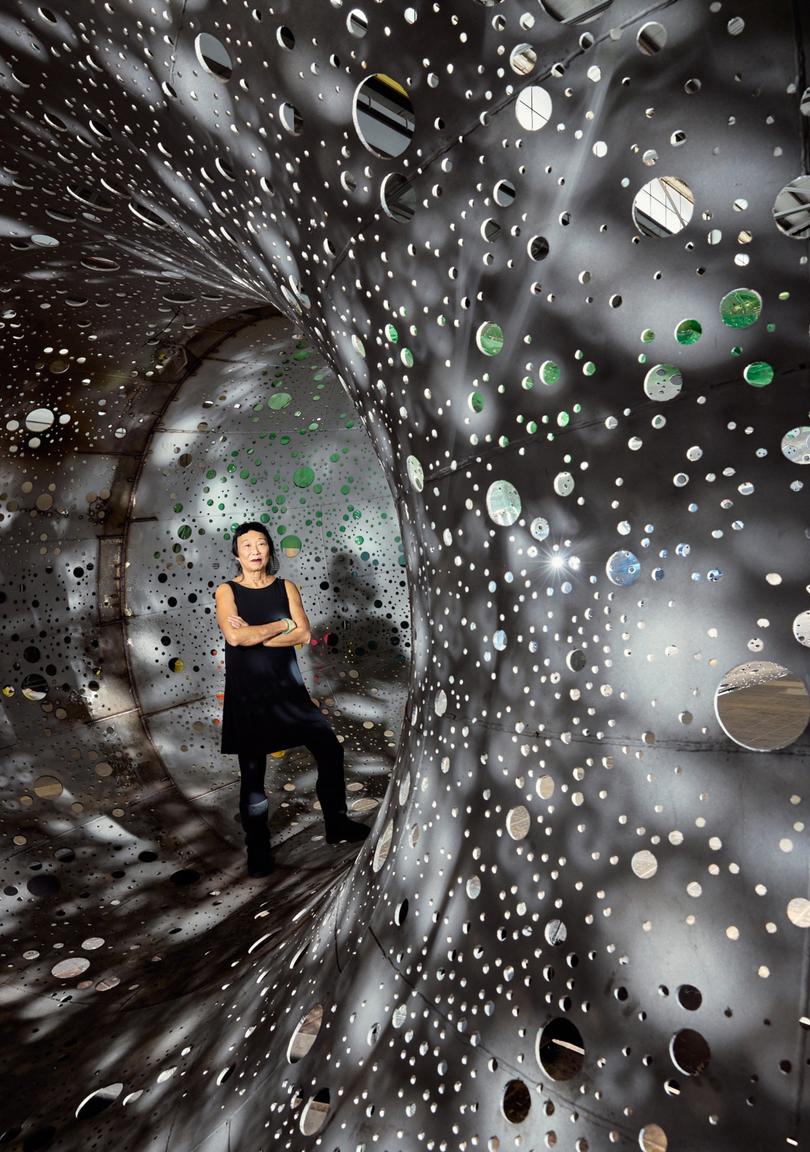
(556, 255)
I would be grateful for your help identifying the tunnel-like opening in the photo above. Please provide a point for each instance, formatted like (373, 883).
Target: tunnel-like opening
(261, 430)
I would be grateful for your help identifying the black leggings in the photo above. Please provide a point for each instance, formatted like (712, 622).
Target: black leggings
(330, 786)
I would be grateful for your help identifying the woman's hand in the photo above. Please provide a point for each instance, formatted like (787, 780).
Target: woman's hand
(237, 622)
(285, 620)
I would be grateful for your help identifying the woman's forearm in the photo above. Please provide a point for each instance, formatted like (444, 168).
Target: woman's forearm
(250, 634)
(294, 636)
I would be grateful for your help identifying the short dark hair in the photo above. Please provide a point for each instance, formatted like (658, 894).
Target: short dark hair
(253, 526)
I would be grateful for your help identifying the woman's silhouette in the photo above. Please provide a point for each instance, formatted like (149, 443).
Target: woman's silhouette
(267, 707)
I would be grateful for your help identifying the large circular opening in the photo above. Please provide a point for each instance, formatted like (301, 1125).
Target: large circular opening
(689, 1052)
(398, 197)
(762, 706)
(791, 209)
(559, 1049)
(213, 55)
(305, 1034)
(383, 115)
(98, 1101)
(663, 207)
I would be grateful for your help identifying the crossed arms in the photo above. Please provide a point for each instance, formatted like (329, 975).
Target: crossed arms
(272, 635)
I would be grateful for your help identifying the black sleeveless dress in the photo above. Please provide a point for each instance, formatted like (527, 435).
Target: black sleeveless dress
(267, 707)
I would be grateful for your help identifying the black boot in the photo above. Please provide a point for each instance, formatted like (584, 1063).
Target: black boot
(259, 858)
(257, 839)
(340, 827)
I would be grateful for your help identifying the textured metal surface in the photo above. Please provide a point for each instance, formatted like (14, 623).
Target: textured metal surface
(582, 921)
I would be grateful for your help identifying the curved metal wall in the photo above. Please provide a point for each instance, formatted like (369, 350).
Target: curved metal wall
(548, 251)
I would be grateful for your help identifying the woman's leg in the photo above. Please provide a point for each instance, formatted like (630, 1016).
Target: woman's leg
(253, 811)
(331, 786)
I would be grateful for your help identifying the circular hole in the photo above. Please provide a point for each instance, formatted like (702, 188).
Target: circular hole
(564, 483)
(383, 847)
(798, 911)
(533, 108)
(801, 627)
(689, 997)
(663, 382)
(315, 1112)
(98, 1101)
(503, 503)
(185, 877)
(762, 706)
(48, 787)
(383, 116)
(537, 248)
(663, 207)
(689, 1052)
(70, 968)
(40, 420)
(576, 660)
(688, 332)
(741, 308)
(575, 11)
(796, 445)
(285, 37)
(147, 216)
(759, 374)
(623, 568)
(213, 56)
(34, 687)
(489, 338)
(100, 264)
(291, 118)
(791, 209)
(560, 1050)
(644, 864)
(651, 38)
(305, 1034)
(504, 193)
(518, 822)
(357, 23)
(398, 197)
(516, 1102)
(416, 473)
(555, 932)
(405, 784)
(523, 59)
(652, 1138)
(490, 230)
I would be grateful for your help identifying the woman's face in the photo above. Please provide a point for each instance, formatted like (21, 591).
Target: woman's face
(252, 552)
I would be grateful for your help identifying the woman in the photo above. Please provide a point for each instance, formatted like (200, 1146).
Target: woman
(267, 707)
